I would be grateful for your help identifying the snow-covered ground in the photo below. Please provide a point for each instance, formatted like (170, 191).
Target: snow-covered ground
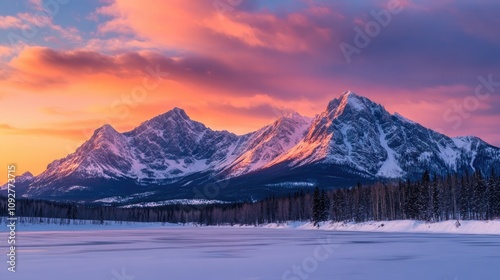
(462, 227)
(402, 226)
(137, 252)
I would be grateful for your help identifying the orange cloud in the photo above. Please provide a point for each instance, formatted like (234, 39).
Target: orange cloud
(200, 27)
(5, 51)
(68, 133)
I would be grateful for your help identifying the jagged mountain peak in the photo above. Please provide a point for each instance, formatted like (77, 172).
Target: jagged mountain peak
(350, 103)
(24, 178)
(293, 115)
(349, 93)
(27, 174)
(357, 132)
(173, 120)
(294, 118)
(106, 128)
(268, 143)
(104, 135)
(176, 113)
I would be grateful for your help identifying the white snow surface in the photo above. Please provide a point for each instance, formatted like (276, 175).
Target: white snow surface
(173, 252)
(402, 226)
(350, 98)
(462, 142)
(175, 201)
(76, 187)
(390, 167)
(449, 155)
(292, 184)
(397, 226)
(269, 143)
(113, 199)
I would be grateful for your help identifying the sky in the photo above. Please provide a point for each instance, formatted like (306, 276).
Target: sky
(67, 67)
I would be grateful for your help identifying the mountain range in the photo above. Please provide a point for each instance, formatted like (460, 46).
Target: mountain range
(174, 159)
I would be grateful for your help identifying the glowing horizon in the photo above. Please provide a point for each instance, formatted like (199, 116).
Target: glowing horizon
(69, 68)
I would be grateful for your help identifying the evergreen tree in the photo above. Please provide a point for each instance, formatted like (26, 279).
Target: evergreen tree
(479, 196)
(318, 206)
(325, 205)
(434, 204)
(424, 194)
(451, 197)
(495, 195)
(465, 197)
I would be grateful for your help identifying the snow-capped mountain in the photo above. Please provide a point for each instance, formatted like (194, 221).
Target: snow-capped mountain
(268, 143)
(25, 178)
(354, 139)
(166, 147)
(22, 182)
(357, 132)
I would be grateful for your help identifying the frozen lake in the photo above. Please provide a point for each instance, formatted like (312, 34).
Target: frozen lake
(250, 253)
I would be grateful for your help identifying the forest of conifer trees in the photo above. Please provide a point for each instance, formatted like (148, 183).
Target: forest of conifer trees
(454, 197)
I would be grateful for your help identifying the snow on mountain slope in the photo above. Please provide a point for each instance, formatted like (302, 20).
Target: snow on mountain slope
(356, 132)
(390, 167)
(24, 179)
(342, 134)
(106, 154)
(473, 147)
(353, 132)
(168, 146)
(172, 145)
(268, 143)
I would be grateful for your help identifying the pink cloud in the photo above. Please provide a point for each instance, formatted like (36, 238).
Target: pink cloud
(7, 22)
(32, 21)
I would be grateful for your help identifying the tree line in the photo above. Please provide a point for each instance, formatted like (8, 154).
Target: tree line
(432, 198)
